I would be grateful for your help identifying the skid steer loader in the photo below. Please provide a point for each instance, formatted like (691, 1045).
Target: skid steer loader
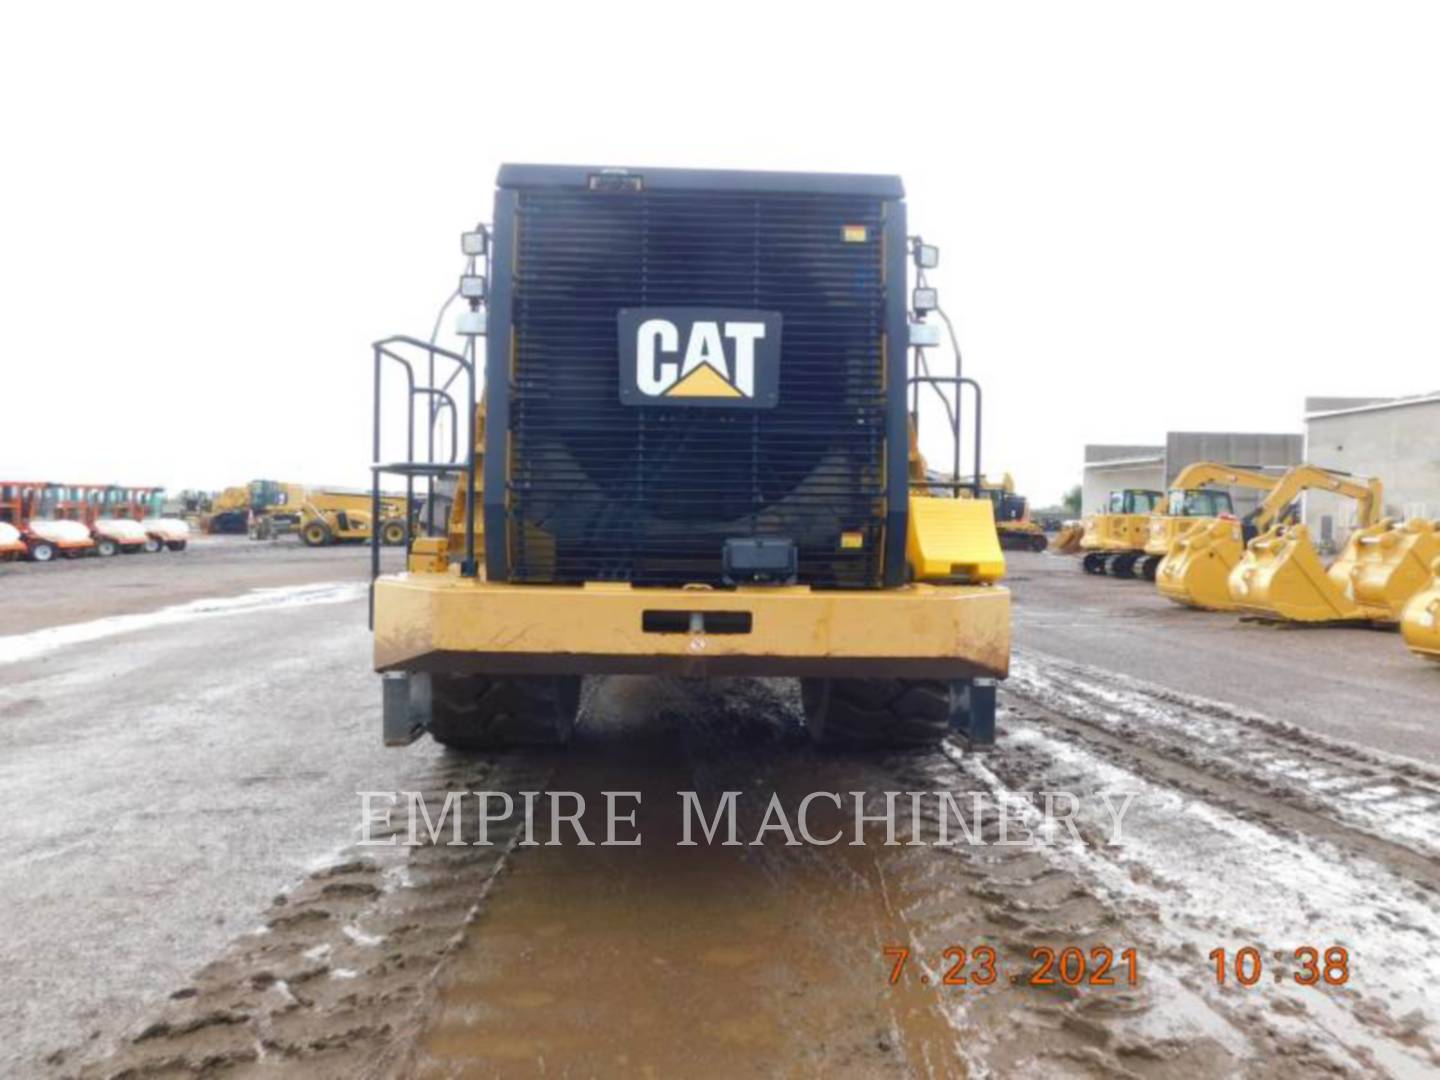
(1420, 622)
(1114, 539)
(1280, 577)
(1193, 501)
(690, 457)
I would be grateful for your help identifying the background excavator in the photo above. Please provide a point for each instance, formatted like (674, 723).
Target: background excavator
(1383, 565)
(1114, 538)
(1195, 498)
(1196, 570)
(1017, 532)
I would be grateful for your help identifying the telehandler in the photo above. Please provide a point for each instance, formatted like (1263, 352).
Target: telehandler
(339, 517)
(690, 457)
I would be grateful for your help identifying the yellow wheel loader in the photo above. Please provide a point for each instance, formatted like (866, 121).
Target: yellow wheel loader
(1114, 539)
(690, 457)
(1193, 501)
(1281, 578)
(1420, 622)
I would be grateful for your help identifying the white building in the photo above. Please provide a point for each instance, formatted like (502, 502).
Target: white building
(1396, 440)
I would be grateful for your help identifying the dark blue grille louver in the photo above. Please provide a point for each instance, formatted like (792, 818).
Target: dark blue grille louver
(601, 491)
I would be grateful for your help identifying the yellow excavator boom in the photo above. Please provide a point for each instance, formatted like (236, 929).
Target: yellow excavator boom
(1177, 515)
(1196, 570)
(1173, 521)
(1280, 576)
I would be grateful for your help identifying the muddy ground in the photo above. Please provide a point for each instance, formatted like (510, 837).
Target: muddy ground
(184, 891)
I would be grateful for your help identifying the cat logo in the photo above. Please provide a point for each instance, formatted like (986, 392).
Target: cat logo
(714, 357)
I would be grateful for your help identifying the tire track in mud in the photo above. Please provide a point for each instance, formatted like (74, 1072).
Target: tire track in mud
(333, 980)
(769, 960)
(1207, 877)
(1390, 805)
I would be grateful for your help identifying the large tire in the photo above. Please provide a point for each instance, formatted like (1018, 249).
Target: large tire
(316, 534)
(1039, 542)
(42, 551)
(153, 546)
(876, 712)
(475, 713)
(175, 545)
(106, 547)
(392, 533)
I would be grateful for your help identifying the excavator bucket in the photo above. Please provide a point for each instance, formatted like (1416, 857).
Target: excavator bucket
(1067, 540)
(1280, 577)
(1196, 570)
(1384, 565)
(1421, 620)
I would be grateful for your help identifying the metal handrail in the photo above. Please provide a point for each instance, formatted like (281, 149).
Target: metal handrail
(955, 416)
(437, 399)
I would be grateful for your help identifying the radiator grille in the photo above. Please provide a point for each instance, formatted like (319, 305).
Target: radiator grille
(603, 491)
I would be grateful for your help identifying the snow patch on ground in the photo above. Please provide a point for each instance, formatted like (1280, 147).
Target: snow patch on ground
(1391, 798)
(17, 647)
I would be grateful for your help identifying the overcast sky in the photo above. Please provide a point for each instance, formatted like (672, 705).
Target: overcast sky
(1152, 216)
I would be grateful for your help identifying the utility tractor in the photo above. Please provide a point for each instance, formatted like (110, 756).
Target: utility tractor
(12, 546)
(146, 506)
(42, 514)
(107, 515)
(690, 398)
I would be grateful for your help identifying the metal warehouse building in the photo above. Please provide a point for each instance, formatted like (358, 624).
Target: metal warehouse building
(1394, 439)
(1112, 467)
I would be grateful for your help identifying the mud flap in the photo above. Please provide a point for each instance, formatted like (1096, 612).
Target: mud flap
(972, 712)
(405, 706)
